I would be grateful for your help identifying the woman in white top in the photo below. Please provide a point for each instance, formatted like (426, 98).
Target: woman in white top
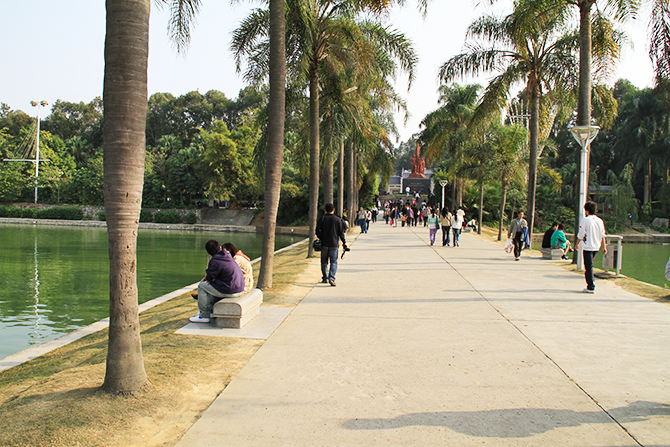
(456, 226)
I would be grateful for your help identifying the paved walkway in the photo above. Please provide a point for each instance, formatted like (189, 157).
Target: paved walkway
(427, 346)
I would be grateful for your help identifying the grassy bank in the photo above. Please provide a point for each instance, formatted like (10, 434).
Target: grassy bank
(55, 401)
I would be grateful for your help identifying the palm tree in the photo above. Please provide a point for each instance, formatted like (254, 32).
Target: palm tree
(125, 110)
(521, 48)
(659, 46)
(275, 149)
(321, 36)
(508, 157)
(446, 129)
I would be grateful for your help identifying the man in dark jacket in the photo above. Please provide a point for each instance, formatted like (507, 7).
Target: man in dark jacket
(223, 279)
(329, 229)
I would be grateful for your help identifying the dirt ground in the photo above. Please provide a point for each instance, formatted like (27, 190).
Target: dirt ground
(55, 400)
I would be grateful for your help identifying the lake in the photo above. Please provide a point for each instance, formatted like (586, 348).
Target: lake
(56, 279)
(644, 262)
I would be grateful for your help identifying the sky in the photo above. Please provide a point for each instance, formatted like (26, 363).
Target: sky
(54, 50)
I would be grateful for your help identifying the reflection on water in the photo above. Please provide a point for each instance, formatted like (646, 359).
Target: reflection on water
(54, 280)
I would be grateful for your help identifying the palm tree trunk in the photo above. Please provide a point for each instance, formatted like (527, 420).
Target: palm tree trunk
(125, 110)
(453, 193)
(534, 131)
(328, 176)
(313, 154)
(275, 149)
(503, 199)
(340, 181)
(481, 207)
(647, 183)
(351, 204)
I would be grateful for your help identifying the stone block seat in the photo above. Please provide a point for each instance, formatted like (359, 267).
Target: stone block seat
(236, 312)
(555, 254)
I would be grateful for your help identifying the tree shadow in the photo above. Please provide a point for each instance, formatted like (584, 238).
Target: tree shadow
(513, 422)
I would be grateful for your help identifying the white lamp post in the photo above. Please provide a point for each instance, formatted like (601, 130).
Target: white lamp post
(37, 160)
(584, 136)
(443, 183)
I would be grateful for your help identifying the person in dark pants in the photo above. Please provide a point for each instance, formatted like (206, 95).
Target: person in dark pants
(591, 235)
(446, 226)
(516, 233)
(330, 230)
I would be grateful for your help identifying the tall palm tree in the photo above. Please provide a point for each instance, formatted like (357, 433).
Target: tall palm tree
(275, 149)
(534, 50)
(321, 36)
(659, 47)
(124, 115)
(508, 156)
(446, 129)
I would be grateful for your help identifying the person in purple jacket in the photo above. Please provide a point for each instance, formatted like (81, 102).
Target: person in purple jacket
(223, 279)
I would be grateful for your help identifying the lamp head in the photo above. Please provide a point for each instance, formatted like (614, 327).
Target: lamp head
(584, 134)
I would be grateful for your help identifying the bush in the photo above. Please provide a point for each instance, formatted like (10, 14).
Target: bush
(61, 212)
(167, 216)
(9, 211)
(28, 213)
(146, 216)
(102, 216)
(190, 218)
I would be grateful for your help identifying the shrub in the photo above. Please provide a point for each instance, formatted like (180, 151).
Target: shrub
(190, 218)
(61, 212)
(28, 213)
(167, 216)
(102, 216)
(146, 216)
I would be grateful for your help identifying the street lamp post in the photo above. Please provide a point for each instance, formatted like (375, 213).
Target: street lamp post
(443, 183)
(584, 136)
(37, 160)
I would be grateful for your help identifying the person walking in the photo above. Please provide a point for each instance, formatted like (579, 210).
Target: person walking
(456, 227)
(591, 235)
(516, 233)
(433, 223)
(330, 230)
(446, 226)
(362, 216)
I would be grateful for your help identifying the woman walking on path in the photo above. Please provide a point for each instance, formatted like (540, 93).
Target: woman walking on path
(446, 226)
(456, 226)
(516, 233)
(432, 222)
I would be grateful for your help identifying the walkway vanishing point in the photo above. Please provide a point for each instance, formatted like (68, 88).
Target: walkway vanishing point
(444, 346)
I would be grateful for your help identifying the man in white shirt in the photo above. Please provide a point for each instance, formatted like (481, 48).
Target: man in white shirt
(591, 235)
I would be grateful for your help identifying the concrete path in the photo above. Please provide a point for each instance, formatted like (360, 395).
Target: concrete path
(427, 346)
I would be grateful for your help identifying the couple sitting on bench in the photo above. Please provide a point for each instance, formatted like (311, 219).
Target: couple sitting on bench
(554, 238)
(228, 275)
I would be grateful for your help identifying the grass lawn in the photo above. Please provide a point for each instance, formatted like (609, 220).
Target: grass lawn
(55, 399)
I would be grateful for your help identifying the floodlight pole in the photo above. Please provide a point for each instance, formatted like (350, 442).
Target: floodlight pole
(443, 183)
(38, 104)
(584, 136)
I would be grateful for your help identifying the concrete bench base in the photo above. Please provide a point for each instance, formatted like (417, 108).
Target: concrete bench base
(234, 313)
(555, 254)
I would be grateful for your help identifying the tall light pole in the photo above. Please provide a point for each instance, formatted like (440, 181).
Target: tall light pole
(443, 183)
(38, 104)
(37, 160)
(584, 136)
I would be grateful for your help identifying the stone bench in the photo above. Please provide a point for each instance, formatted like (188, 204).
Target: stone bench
(236, 312)
(555, 254)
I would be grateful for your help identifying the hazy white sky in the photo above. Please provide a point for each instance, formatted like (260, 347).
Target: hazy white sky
(54, 50)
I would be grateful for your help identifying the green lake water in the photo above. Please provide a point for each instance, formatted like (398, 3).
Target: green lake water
(644, 262)
(54, 280)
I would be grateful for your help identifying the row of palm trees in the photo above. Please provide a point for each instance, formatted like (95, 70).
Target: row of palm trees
(350, 62)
